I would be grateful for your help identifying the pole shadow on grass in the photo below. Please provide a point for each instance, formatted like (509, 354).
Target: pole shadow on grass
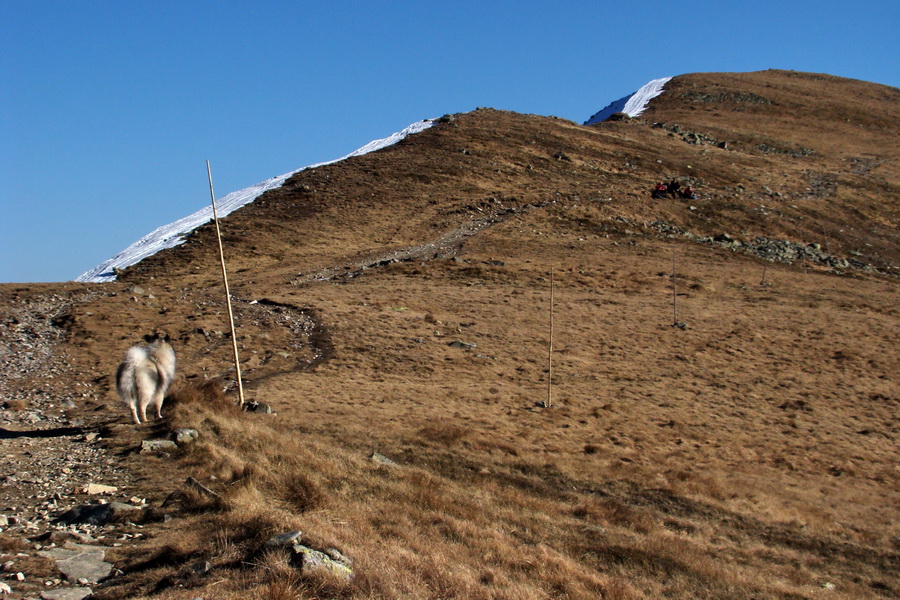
(6, 434)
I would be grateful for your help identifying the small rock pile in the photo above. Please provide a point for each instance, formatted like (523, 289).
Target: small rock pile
(691, 137)
(784, 251)
(308, 560)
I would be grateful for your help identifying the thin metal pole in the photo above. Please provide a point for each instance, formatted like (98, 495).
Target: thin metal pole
(237, 364)
(825, 235)
(674, 292)
(550, 349)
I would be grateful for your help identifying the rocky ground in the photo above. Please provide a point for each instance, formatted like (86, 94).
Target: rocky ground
(52, 462)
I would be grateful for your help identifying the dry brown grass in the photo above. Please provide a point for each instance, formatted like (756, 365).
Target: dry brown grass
(433, 531)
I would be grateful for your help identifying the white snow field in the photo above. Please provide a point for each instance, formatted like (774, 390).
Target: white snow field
(632, 105)
(175, 233)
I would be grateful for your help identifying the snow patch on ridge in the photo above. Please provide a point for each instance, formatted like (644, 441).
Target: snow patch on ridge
(173, 234)
(633, 104)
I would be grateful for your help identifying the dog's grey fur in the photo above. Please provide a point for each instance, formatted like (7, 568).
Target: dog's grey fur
(145, 375)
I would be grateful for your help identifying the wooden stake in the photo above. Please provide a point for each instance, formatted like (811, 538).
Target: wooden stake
(550, 349)
(237, 364)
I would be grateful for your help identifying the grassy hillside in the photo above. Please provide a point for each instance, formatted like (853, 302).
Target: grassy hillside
(399, 303)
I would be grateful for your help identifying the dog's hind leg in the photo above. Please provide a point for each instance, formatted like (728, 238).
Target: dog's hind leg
(158, 398)
(163, 381)
(125, 385)
(144, 410)
(163, 358)
(145, 382)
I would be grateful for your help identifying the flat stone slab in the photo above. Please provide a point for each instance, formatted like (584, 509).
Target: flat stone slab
(75, 593)
(157, 446)
(312, 561)
(93, 489)
(462, 345)
(77, 561)
(285, 540)
(381, 459)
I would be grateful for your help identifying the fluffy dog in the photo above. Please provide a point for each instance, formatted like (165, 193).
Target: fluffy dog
(145, 375)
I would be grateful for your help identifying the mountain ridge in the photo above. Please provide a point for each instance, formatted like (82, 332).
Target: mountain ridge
(638, 102)
(762, 185)
(173, 234)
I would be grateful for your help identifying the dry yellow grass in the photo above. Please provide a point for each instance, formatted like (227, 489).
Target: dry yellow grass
(711, 469)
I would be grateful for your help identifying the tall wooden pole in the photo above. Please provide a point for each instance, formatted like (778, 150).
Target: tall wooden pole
(550, 349)
(237, 363)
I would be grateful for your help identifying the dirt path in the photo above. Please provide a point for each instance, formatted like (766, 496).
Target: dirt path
(484, 215)
(48, 457)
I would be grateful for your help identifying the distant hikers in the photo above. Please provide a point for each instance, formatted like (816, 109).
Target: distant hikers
(673, 188)
(663, 190)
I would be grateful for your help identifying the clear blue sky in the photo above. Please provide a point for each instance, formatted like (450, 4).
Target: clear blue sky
(109, 109)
